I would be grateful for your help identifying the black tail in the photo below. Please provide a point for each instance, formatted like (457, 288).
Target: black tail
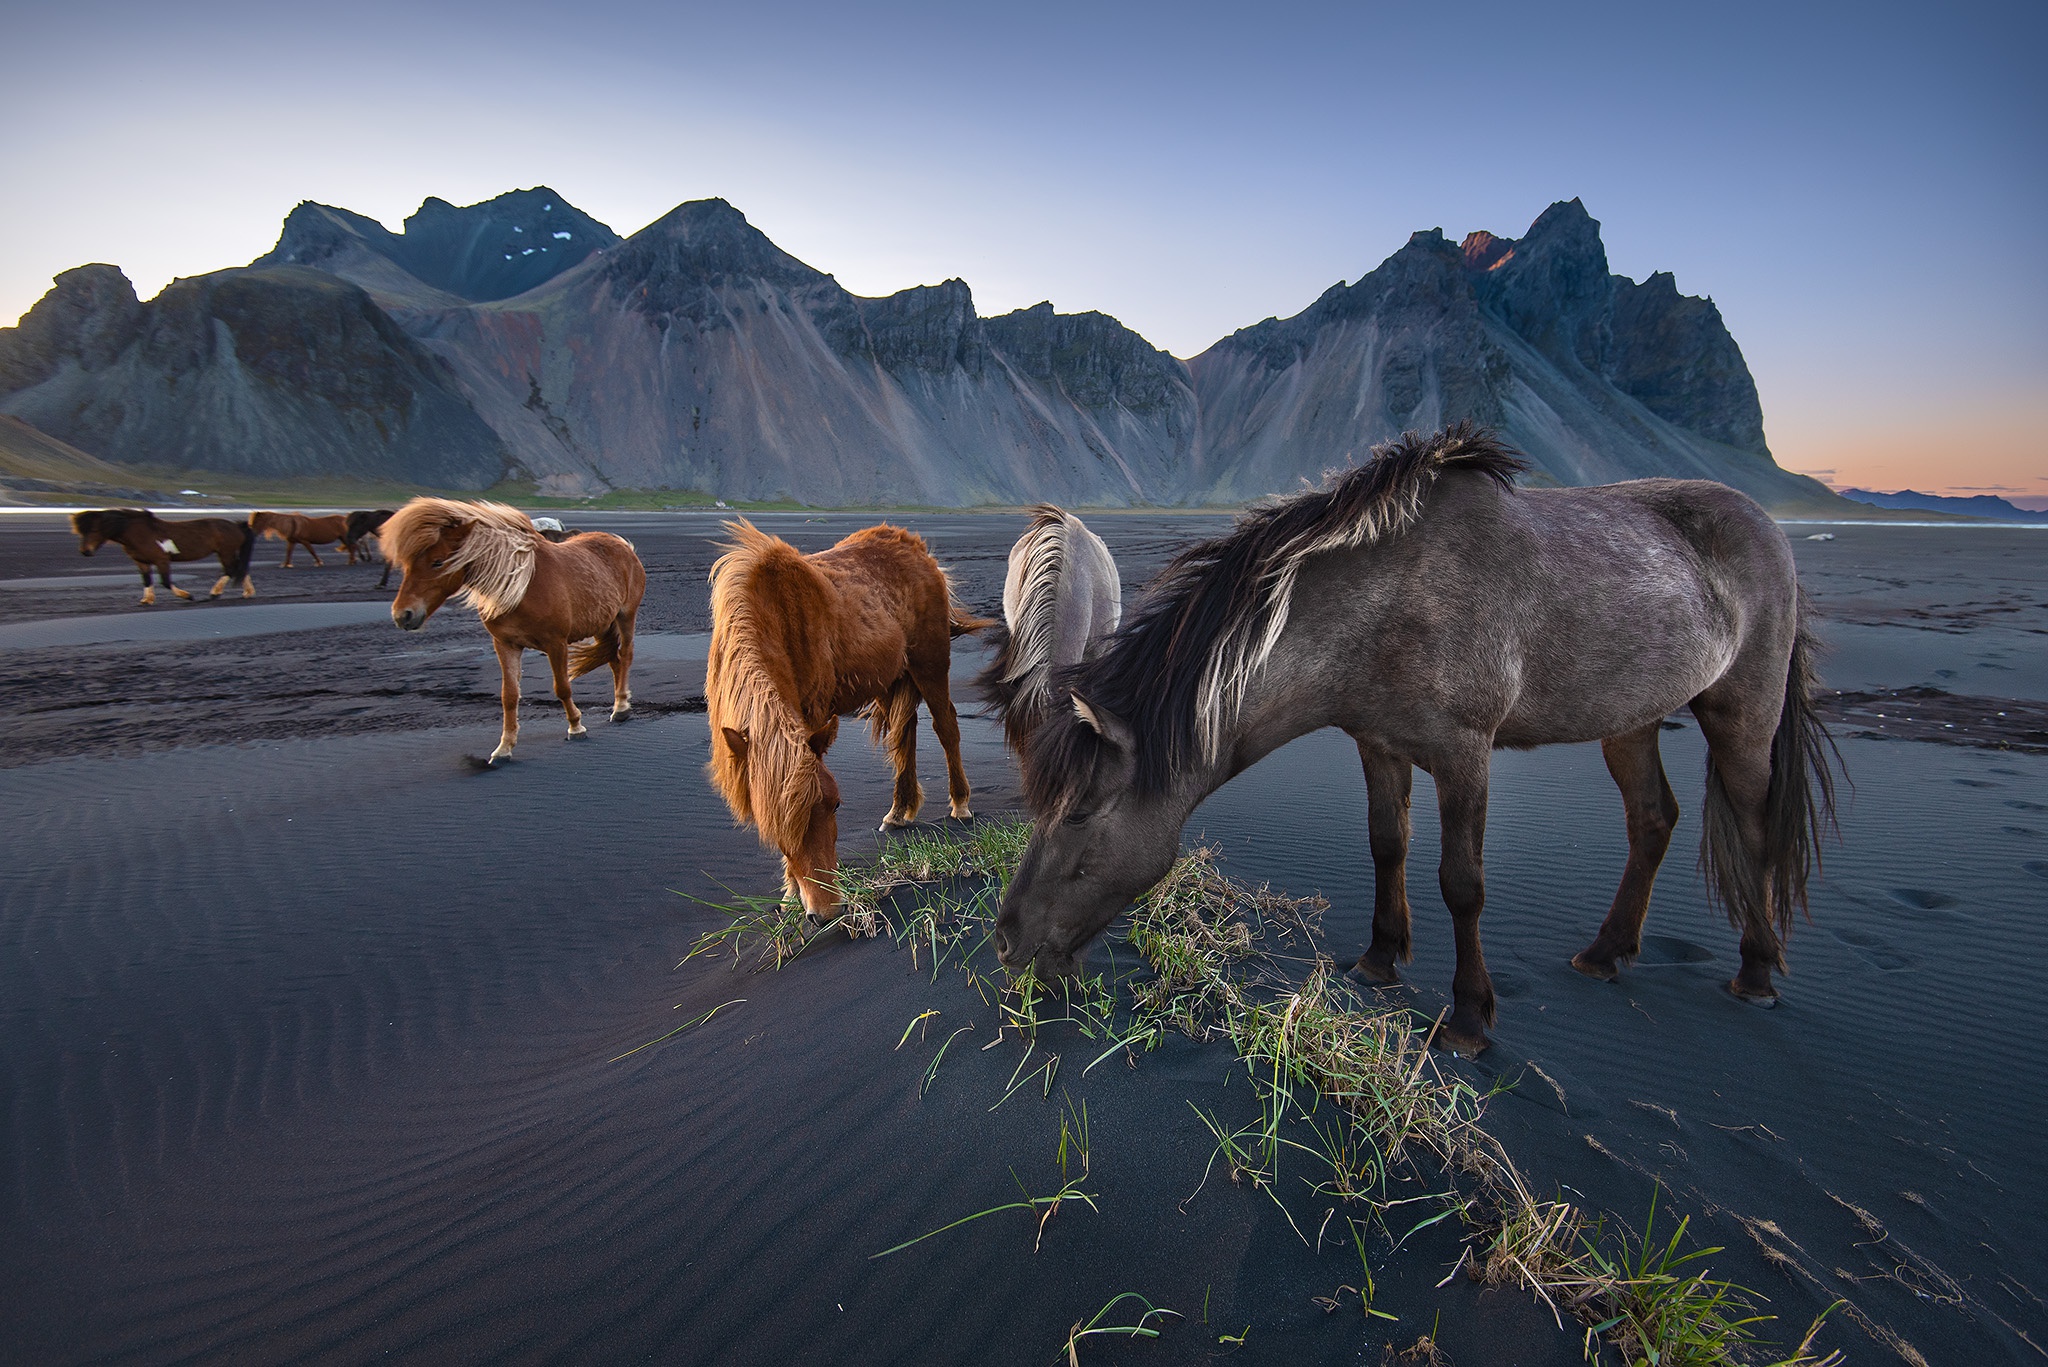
(1799, 810)
(241, 568)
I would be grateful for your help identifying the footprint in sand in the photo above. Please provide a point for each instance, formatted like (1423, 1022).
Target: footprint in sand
(2037, 867)
(1874, 949)
(1977, 783)
(1508, 983)
(1920, 899)
(2020, 806)
(1664, 951)
(2009, 773)
(2019, 830)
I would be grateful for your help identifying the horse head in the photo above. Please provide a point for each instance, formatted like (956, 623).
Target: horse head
(97, 527)
(268, 524)
(425, 539)
(783, 788)
(1100, 841)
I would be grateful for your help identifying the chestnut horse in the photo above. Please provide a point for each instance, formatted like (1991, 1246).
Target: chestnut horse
(296, 529)
(153, 544)
(531, 593)
(1434, 611)
(797, 641)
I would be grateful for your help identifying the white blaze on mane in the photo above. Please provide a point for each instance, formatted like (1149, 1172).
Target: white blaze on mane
(1244, 646)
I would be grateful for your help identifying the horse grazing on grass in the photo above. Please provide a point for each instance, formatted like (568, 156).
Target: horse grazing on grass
(531, 593)
(1435, 612)
(296, 530)
(799, 640)
(359, 533)
(153, 544)
(1061, 597)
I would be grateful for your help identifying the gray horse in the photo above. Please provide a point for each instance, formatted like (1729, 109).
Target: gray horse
(1061, 597)
(1435, 612)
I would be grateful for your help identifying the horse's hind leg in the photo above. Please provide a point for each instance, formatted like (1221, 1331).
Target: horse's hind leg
(1388, 782)
(1461, 782)
(622, 667)
(897, 721)
(1732, 841)
(148, 584)
(558, 661)
(1652, 810)
(508, 696)
(176, 592)
(932, 682)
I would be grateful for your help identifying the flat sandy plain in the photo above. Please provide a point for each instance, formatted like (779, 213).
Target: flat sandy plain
(307, 1022)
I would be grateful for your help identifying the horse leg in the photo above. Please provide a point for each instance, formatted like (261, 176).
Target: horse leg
(176, 592)
(622, 666)
(932, 682)
(558, 661)
(1461, 803)
(1388, 782)
(226, 565)
(148, 584)
(1651, 810)
(508, 694)
(899, 706)
(1738, 785)
(289, 546)
(314, 551)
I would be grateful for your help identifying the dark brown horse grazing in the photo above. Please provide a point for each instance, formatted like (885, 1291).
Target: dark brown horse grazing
(1435, 612)
(153, 544)
(531, 593)
(797, 641)
(362, 527)
(297, 529)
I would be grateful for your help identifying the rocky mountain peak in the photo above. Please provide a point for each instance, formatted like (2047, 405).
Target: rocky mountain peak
(1483, 251)
(704, 244)
(88, 318)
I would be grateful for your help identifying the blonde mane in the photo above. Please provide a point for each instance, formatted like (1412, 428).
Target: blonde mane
(496, 559)
(752, 687)
(1031, 590)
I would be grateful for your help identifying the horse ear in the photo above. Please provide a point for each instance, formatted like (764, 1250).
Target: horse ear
(1104, 723)
(736, 741)
(821, 741)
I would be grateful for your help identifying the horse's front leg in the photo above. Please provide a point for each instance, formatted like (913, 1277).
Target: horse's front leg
(148, 568)
(622, 667)
(1651, 810)
(508, 694)
(314, 551)
(1461, 804)
(558, 661)
(1388, 783)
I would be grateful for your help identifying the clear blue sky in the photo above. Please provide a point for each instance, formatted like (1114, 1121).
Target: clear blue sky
(1860, 187)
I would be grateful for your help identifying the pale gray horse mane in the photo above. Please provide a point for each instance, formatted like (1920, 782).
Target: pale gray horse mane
(1061, 596)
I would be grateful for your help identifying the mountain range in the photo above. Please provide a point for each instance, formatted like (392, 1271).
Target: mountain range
(1974, 505)
(520, 339)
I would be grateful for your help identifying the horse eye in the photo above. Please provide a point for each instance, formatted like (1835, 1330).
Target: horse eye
(439, 563)
(1079, 818)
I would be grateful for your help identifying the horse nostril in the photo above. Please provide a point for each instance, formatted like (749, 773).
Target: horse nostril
(1002, 945)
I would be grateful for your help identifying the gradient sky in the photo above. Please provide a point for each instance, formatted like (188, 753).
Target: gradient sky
(1859, 187)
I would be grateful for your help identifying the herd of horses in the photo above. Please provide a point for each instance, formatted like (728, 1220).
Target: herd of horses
(156, 543)
(1425, 602)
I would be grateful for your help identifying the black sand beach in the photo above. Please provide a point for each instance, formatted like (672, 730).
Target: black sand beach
(311, 1032)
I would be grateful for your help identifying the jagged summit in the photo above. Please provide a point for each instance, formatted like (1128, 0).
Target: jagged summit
(477, 252)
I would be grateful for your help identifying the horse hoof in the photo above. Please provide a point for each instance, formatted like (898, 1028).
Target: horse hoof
(1464, 1044)
(892, 823)
(1765, 1000)
(1373, 971)
(620, 714)
(962, 815)
(1603, 970)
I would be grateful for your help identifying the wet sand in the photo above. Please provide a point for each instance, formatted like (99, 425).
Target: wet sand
(307, 1026)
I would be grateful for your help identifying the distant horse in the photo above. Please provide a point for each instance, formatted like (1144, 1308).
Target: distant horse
(799, 640)
(1061, 597)
(153, 544)
(296, 529)
(1435, 612)
(530, 593)
(362, 527)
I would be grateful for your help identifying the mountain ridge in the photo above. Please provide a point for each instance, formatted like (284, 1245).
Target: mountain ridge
(697, 355)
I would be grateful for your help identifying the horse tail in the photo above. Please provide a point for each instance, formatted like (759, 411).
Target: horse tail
(891, 712)
(594, 654)
(1799, 809)
(246, 554)
(961, 622)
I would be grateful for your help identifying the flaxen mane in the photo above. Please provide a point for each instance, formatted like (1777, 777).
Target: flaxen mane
(1017, 678)
(1177, 669)
(749, 679)
(496, 558)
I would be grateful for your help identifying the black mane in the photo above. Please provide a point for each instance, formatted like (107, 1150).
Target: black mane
(1150, 672)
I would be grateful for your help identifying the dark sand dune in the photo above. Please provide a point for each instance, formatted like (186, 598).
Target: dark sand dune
(308, 1042)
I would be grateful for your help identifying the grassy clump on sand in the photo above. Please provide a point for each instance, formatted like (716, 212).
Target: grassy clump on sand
(1344, 1085)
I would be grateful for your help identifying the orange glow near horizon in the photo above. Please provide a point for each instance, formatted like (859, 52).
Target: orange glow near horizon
(2003, 454)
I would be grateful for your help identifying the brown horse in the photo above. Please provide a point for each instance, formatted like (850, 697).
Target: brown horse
(799, 640)
(362, 527)
(296, 529)
(153, 544)
(531, 593)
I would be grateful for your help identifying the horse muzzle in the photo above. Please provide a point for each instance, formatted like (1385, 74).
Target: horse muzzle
(411, 619)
